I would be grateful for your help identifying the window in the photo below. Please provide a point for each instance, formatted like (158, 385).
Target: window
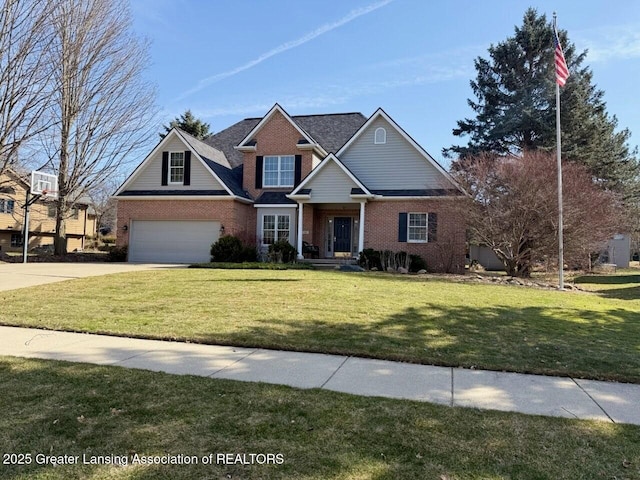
(16, 239)
(380, 136)
(275, 228)
(279, 171)
(75, 213)
(417, 227)
(51, 210)
(176, 167)
(6, 206)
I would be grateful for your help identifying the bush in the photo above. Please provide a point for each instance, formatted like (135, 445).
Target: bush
(417, 263)
(118, 254)
(370, 258)
(282, 252)
(388, 260)
(231, 249)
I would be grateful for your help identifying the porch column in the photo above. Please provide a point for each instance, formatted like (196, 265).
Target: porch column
(299, 239)
(361, 229)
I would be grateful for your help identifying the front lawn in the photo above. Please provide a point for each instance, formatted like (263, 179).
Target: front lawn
(52, 409)
(407, 318)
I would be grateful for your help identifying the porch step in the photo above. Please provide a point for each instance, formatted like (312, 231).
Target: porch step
(329, 263)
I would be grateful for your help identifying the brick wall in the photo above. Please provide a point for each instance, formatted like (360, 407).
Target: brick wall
(276, 137)
(447, 253)
(237, 218)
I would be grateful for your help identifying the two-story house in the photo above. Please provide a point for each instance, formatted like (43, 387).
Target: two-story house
(13, 191)
(342, 182)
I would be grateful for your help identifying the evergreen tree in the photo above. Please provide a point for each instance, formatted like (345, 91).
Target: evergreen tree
(190, 124)
(515, 108)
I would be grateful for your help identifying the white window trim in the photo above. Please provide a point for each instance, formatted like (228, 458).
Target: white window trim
(279, 182)
(275, 234)
(426, 240)
(384, 136)
(181, 182)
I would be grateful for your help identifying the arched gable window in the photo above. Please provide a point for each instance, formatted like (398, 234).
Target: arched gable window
(380, 136)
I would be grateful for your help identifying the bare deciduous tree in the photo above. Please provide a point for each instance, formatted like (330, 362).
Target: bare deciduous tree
(513, 209)
(25, 94)
(103, 107)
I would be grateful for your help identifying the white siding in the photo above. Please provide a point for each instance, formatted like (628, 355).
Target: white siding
(395, 164)
(331, 185)
(150, 177)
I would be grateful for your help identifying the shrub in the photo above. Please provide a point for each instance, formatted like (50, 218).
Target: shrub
(118, 254)
(370, 258)
(230, 248)
(282, 252)
(417, 263)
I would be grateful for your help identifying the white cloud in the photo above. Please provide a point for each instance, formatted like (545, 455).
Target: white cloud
(205, 82)
(620, 42)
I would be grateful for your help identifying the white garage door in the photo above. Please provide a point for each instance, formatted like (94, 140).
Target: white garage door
(172, 241)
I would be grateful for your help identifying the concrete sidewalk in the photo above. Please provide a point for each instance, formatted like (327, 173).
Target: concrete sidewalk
(530, 394)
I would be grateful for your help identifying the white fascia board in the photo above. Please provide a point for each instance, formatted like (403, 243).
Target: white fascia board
(275, 205)
(245, 148)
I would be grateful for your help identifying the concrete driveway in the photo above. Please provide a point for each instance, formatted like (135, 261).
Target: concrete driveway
(20, 275)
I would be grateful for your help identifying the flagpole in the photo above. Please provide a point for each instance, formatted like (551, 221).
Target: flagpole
(559, 154)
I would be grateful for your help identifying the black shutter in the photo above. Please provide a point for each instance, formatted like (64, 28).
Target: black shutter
(187, 168)
(297, 173)
(432, 227)
(165, 168)
(402, 227)
(259, 166)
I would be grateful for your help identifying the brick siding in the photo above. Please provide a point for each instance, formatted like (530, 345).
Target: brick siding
(447, 253)
(276, 137)
(237, 218)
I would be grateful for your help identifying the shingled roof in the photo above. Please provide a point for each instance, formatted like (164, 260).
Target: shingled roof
(331, 131)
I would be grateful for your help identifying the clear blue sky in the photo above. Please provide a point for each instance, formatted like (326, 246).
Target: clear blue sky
(231, 59)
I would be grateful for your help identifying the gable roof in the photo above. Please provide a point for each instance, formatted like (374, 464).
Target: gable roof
(380, 113)
(246, 141)
(218, 166)
(302, 190)
(328, 131)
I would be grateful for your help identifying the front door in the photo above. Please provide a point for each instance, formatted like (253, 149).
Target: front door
(342, 235)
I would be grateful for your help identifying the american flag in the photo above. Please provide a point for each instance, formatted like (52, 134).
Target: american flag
(562, 72)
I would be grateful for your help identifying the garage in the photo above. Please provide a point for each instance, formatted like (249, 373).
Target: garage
(153, 241)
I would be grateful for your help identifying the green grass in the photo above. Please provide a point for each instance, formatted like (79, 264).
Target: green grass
(59, 408)
(404, 318)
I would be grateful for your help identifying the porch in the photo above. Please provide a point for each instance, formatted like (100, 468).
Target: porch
(337, 230)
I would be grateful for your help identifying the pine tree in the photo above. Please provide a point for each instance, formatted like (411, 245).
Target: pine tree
(515, 108)
(190, 124)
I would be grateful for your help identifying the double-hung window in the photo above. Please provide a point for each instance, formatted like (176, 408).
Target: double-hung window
(275, 228)
(6, 206)
(176, 167)
(279, 171)
(417, 227)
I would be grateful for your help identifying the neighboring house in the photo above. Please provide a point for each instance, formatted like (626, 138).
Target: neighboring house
(341, 182)
(13, 191)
